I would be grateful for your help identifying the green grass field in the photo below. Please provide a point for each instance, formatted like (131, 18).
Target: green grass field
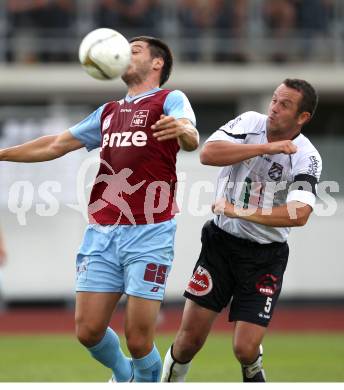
(288, 358)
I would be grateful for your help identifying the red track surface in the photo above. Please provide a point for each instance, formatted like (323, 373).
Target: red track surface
(62, 321)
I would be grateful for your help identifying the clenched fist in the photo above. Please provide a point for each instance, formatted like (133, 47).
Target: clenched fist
(286, 147)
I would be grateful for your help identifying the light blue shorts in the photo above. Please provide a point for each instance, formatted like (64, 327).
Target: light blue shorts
(134, 260)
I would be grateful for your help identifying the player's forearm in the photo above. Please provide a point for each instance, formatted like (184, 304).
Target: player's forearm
(2, 245)
(2, 249)
(189, 141)
(228, 153)
(41, 149)
(293, 214)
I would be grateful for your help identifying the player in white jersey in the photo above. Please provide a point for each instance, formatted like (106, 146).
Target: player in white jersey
(266, 186)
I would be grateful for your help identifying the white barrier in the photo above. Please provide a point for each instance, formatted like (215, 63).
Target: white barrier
(41, 262)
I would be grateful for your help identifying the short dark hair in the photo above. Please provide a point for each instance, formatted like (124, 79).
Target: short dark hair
(309, 99)
(158, 48)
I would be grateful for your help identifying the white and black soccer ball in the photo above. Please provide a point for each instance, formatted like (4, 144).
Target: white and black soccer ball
(104, 54)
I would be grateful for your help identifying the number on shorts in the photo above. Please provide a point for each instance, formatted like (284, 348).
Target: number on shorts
(267, 307)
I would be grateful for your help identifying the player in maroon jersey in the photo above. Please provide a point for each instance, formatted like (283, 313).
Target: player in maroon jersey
(128, 245)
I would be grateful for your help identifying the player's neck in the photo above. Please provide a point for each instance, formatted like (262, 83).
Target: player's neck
(138, 89)
(273, 136)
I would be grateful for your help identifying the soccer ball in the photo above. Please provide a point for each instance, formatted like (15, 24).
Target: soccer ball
(104, 54)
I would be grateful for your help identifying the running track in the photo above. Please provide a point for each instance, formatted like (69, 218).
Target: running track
(299, 319)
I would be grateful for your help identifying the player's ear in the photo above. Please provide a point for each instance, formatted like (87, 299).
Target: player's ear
(157, 63)
(303, 118)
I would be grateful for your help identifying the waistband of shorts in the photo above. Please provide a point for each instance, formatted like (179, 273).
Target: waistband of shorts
(244, 241)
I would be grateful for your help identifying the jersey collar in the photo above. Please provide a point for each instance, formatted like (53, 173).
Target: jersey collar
(129, 99)
(296, 136)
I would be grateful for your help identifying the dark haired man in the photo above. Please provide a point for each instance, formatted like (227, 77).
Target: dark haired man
(128, 245)
(266, 186)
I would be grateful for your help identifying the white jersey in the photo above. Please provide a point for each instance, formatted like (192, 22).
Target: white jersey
(264, 181)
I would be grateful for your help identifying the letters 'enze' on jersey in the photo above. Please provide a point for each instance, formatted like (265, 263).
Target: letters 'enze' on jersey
(124, 139)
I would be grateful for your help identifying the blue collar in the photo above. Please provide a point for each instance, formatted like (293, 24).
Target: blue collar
(129, 99)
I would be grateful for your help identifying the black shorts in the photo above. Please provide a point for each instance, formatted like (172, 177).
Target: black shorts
(245, 273)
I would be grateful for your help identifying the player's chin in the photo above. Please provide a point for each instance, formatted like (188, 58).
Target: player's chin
(125, 77)
(128, 75)
(272, 126)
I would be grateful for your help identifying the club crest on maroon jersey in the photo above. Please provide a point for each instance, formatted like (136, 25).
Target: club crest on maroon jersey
(140, 118)
(200, 283)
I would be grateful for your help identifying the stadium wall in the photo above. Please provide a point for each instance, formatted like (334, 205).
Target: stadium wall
(42, 249)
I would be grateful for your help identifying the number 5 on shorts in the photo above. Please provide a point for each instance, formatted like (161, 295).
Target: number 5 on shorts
(267, 307)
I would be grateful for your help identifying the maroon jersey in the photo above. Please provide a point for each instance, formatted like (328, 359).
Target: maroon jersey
(136, 182)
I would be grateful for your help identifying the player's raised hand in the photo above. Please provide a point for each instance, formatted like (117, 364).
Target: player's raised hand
(168, 127)
(286, 147)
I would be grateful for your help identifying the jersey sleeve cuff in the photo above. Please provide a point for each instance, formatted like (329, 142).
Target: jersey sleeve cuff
(77, 135)
(302, 196)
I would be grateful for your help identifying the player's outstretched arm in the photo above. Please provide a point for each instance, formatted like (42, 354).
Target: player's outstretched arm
(42, 149)
(168, 127)
(222, 153)
(293, 213)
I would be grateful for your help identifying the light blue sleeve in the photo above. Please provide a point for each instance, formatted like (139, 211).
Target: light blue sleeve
(88, 131)
(178, 106)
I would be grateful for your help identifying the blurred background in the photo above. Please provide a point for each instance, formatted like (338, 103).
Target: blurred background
(229, 57)
(239, 31)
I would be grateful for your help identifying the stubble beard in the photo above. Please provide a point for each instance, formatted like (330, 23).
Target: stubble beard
(273, 130)
(131, 79)
(134, 78)
(277, 133)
